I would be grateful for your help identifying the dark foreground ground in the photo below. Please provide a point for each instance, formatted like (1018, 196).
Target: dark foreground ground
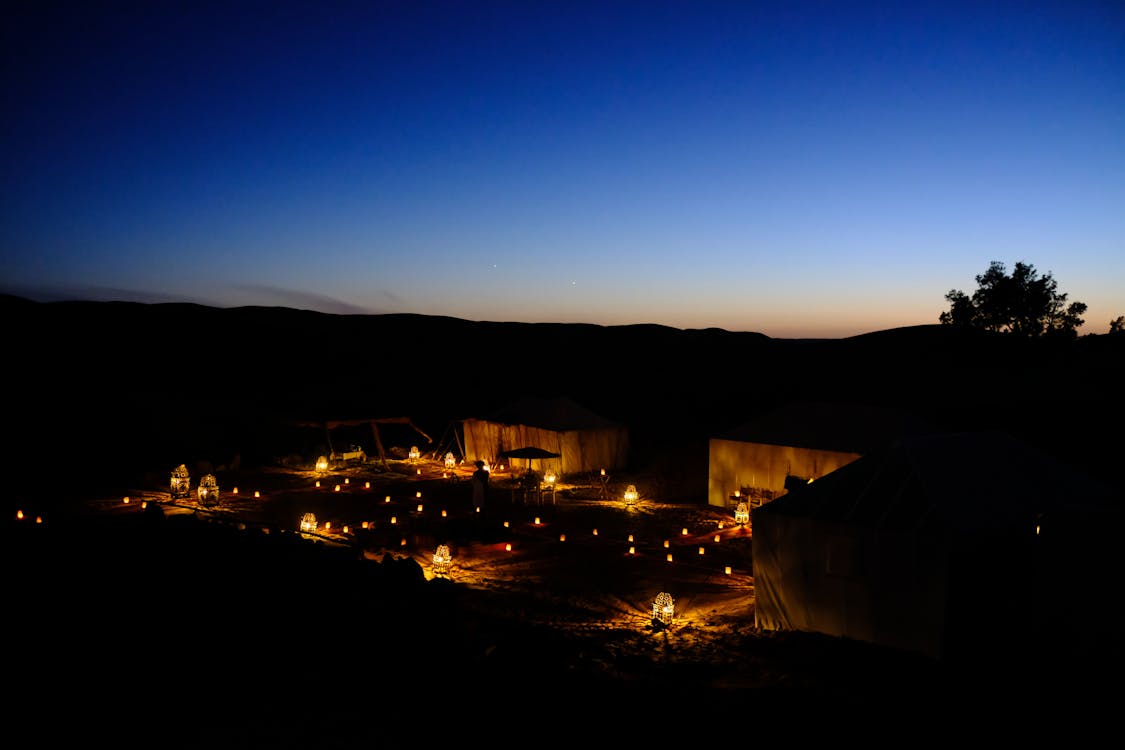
(160, 629)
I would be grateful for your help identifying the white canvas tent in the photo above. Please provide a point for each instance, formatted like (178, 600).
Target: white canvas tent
(957, 546)
(585, 441)
(797, 443)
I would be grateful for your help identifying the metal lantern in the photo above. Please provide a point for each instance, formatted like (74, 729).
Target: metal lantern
(663, 608)
(181, 482)
(631, 495)
(322, 463)
(308, 522)
(442, 560)
(208, 490)
(742, 514)
(415, 454)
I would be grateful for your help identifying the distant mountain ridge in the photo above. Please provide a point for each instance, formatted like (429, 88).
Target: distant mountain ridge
(136, 376)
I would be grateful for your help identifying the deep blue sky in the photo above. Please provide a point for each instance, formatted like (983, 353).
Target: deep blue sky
(794, 168)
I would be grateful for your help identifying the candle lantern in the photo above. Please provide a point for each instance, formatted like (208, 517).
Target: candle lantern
(631, 494)
(663, 608)
(741, 514)
(181, 482)
(322, 463)
(442, 561)
(308, 522)
(450, 461)
(415, 454)
(208, 490)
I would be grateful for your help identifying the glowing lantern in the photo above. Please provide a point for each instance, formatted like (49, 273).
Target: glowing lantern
(537, 520)
(562, 537)
(419, 507)
(208, 490)
(387, 499)
(235, 491)
(443, 513)
(630, 537)
(318, 483)
(322, 463)
(19, 515)
(257, 493)
(450, 461)
(727, 570)
(337, 488)
(346, 529)
(632, 550)
(508, 547)
(126, 500)
(701, 550)
(631, 495)
(327, 525)
(716, 539)
(363, 525)
(442, 560)
(684, 532)
(308, 522)
(181, 482)
(595, 532)
(669, 557)
(415, 454)
(394, 519)
(418, 494)
(367, 485)
(403, 542)
(418, 472)
(39, 519)
(505, 524)
(663, 608)
(742, 514)
(666, 544)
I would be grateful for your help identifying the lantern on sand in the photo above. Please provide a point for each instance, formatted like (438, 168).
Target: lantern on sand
(631, 494)
(742, 514)
(442, 560)
(308, 522)
(662, 608)
(208, 490)
(181, 482)
(415, 454)
(322, 463)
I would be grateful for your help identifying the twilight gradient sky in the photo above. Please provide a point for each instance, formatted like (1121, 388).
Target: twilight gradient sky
(801, 169)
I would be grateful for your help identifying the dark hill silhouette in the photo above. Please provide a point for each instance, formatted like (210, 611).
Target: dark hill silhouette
(97, 386)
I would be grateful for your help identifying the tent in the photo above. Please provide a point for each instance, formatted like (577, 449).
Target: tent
(797, 443)
(583, 440)
(957, 546)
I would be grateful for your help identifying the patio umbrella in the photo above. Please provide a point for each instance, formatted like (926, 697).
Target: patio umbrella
(529, 453)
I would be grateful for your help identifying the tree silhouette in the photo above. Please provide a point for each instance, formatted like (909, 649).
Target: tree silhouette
(1117, 325)
(1023, 304)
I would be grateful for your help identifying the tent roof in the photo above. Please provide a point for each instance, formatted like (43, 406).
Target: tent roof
(845, 427)
(559, 414)
(969, 481)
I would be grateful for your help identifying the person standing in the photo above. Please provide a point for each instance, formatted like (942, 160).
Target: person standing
(480, 485)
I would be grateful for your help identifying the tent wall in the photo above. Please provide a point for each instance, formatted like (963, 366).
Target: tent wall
(849, 582)
(580, 450)
(735, 464)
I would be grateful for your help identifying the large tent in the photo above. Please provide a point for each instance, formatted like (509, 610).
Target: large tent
(583, 440)
(957, 546)
(795, 444)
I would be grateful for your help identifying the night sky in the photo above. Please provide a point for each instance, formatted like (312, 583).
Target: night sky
(799, 169)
